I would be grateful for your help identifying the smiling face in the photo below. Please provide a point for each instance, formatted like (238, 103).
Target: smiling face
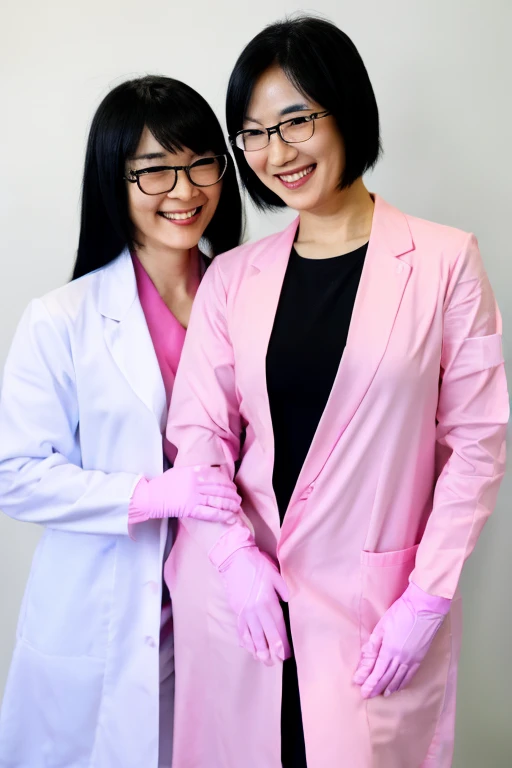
(305, 176)
(173, 220)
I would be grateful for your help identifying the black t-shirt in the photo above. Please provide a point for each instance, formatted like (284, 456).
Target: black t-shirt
(307, 342)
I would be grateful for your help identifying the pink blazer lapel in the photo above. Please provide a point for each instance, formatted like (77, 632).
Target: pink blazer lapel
(378, 299)
(251, 328)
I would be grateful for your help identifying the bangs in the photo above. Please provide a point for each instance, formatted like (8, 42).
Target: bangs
(180, 118)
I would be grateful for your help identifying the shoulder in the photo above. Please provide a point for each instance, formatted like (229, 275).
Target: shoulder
(68, 300)
(62, 309)
(443, 238)
(453, 253)
(236, 263)
(435, 249)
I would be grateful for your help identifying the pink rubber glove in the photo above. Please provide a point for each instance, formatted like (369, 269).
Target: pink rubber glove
(399, 642)
(254, 585)
(205, 493)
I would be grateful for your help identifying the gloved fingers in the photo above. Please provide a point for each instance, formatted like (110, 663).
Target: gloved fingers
(408, 677)
(364, 668)
(222, 491)
(220, 502)
(396, 682)
(274, 641)
(371, 687)
(381, 683)
(259, 639)
(212, 514)
(244, 636)
(368, 658)
(279, 585)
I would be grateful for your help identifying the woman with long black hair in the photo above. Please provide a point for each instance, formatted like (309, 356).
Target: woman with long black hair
(86, 391)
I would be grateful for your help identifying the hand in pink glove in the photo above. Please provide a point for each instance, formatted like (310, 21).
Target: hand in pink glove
(399, 642)
(253, 585)
(205, 493)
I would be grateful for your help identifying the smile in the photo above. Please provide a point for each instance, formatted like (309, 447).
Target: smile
(180, 215)
(297, 178)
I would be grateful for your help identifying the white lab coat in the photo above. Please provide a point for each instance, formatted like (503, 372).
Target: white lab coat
(82, 411)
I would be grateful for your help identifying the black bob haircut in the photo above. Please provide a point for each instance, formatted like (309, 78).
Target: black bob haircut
(323, 64)
(178, 117)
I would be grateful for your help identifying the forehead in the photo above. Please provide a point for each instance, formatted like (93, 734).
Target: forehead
(148, 143)
(273, 95)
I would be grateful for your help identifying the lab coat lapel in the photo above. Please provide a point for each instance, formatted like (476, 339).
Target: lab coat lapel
(127, 335)
(383, 281)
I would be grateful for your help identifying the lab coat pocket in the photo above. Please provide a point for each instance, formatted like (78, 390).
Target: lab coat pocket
(384, 577)
(402, 726)
(69, 599)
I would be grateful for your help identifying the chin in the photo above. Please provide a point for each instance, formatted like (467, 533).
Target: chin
(187, 241)
(300, 200)
(185, 245)
(302, 203)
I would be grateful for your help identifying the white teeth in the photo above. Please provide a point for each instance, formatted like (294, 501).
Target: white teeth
(296, 176)
(180, 216)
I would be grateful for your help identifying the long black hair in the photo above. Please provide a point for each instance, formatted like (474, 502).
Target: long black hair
(178, 117)
(323, 64)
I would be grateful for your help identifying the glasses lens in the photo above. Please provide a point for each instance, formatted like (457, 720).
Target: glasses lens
(297, 130)
(249, 141)
(157, 182)
(208, 171)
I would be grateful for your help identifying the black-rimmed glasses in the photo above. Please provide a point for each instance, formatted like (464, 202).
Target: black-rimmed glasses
(293, 131)
(160, 179)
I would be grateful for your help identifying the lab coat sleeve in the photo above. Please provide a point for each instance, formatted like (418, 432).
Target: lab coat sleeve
(40, 477)
(472, 415)
(204, 418)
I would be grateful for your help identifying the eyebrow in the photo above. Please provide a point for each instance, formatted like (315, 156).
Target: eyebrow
(294, 108)
(286, 111)
(149, 156)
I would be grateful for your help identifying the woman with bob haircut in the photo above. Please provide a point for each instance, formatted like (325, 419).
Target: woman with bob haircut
(85, 398)
(351, 368)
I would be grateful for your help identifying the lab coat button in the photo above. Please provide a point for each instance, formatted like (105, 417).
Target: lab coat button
(150, 641)
(307, 492)
(153, 586)
(399, 269)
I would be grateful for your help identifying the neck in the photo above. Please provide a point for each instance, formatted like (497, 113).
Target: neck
(174, 273)
(342, 225)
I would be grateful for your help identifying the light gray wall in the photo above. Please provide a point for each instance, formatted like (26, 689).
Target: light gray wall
(442, 71)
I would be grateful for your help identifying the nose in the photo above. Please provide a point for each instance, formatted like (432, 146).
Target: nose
(184, 189)
(279, 152)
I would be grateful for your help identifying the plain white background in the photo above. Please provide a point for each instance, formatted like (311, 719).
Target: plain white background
(442, 72)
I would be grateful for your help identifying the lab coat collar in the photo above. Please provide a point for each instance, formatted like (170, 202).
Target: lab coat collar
(127, 335)
(118, 287)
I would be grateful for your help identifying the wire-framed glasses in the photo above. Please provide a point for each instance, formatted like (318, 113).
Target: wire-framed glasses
(293, 131)
(159, 179)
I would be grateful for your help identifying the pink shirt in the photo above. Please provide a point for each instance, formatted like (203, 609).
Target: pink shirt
(167, 334)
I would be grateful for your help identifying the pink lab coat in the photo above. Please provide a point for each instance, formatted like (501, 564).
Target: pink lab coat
(401, 475)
